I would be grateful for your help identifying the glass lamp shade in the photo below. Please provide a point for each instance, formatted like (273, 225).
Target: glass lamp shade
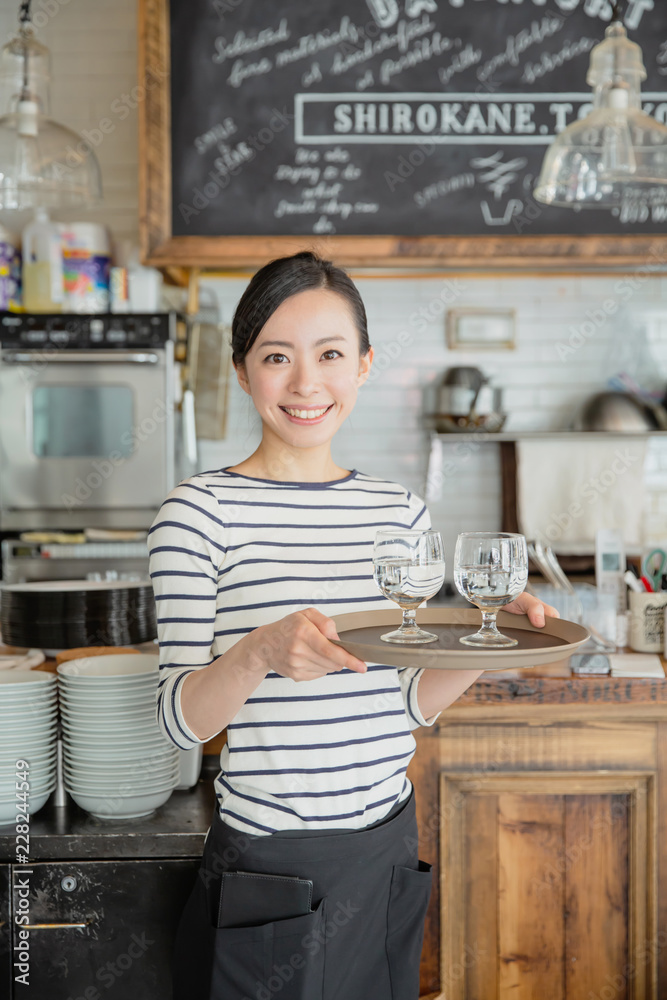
(616, 152)
(42, 163)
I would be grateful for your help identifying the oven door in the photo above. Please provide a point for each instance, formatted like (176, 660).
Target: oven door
(86, 432)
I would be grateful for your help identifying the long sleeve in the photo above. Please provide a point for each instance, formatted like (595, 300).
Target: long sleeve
(186, 548)
(419, 519)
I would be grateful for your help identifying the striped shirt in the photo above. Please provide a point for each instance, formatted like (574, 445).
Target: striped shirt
(229, 553)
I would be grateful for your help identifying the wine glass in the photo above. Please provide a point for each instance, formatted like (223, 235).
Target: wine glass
(408, 567)
(490, 570)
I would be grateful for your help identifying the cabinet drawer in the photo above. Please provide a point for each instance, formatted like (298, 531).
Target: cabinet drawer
(104, 928)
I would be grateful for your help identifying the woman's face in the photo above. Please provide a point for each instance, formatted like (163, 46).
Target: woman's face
(304, 369)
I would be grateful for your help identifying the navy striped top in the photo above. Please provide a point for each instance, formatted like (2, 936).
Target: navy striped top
(229, 553)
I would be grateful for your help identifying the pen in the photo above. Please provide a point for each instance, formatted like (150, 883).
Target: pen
(647, 585)
(633, 583)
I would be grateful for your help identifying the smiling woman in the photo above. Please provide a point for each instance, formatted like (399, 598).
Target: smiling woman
(248, 564)
(301, 351)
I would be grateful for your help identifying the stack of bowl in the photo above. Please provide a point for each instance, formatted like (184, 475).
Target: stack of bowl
(117, 763)
(28, 723)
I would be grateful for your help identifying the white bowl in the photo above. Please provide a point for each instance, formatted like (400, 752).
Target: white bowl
(103, 711)
(97, 686)
(28, 741)
(121, 785)
(20, 718)
(8, 812)
(139, 774)
(112, 665)
(13, 711)
(15, 680)
(34, 700)
(120, 789)
(154, 757)
(30, 724)
(81, 748)
(119, 699)
(101, 725)
(37, 778)
(121, 754)
(131, 808)
(32, 757)
(47, 782)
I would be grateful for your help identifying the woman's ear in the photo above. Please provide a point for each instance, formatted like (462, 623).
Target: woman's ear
(365, 362)
(242, 377)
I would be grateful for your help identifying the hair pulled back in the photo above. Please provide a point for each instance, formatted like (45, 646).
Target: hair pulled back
(282, 278)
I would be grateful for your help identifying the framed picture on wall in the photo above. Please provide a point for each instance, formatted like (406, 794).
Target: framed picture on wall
(481, 329)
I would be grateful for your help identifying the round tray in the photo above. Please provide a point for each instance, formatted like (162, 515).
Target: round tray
(360, 635)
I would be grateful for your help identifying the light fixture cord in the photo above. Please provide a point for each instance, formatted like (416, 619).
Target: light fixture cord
(616, 11)
(24, 21)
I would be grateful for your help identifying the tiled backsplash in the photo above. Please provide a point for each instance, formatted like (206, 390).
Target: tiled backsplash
(570, 340)
(572, 332)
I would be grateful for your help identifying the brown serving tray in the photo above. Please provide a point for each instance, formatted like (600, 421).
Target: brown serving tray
(360, 635)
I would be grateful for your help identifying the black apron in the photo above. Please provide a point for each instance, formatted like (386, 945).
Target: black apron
(362, 939)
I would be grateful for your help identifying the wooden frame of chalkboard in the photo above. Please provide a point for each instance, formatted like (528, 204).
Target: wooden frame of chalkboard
(162, 246)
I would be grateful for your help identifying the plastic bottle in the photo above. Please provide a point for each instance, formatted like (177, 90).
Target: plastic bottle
(10, 272)
(86, 252)
(43, 287)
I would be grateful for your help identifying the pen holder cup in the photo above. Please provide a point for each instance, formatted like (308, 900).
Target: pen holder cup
(647, 622)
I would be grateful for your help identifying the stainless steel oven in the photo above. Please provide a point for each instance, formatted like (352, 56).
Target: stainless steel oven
(86, 419)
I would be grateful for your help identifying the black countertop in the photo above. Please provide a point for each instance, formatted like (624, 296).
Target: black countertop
(175, 830)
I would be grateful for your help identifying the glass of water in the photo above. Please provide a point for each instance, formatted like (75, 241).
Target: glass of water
(409, 567)
(490, 570)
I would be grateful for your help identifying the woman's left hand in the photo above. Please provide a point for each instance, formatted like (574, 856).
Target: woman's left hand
(526, 604)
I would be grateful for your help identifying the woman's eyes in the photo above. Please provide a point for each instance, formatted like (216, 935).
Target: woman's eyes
(279, 359)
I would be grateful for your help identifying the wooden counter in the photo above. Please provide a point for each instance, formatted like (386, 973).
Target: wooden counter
(542, 805)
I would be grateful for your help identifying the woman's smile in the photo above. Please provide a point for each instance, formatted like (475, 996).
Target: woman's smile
(306, 415)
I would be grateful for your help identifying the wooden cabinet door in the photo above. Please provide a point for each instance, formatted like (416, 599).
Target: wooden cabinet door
(104, 928)
(548, 886)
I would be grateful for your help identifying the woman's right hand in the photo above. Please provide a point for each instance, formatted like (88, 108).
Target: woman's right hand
(298, 646)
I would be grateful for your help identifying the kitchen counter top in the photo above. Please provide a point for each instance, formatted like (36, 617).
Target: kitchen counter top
(176, 829)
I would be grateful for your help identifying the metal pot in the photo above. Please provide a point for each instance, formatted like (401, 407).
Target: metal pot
(456, 400)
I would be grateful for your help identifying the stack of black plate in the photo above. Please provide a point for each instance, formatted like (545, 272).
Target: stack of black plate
(62, 614)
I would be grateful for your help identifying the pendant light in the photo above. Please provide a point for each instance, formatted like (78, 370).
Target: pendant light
(616, 153)
(42, 163)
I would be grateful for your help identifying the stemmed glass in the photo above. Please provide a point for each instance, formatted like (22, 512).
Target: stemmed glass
(408, 567)
(490, 570)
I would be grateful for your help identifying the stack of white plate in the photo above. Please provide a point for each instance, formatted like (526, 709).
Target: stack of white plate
(117, 763)
(28, 722)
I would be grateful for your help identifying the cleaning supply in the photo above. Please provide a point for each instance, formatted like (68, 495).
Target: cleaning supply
(10, 272)
(86, 250)
(43, 289)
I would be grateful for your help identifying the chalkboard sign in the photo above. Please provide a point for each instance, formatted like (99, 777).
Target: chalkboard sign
(405, 129)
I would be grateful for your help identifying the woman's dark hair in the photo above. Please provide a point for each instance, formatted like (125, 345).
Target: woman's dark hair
(282, 278)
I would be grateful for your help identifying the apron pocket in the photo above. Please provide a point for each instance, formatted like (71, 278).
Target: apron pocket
(408, 901)
(283, 958)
